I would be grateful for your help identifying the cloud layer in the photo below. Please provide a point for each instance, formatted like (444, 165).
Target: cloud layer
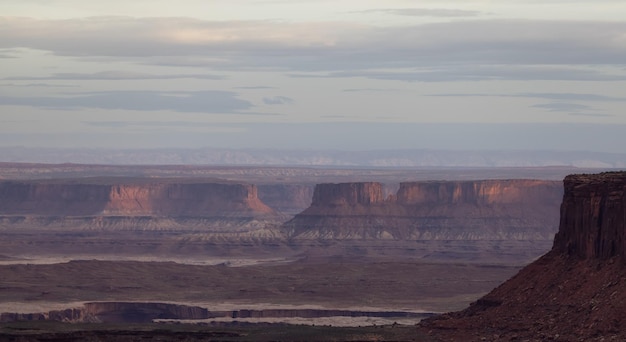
(440, 70)
(332, 46)
(185, 102)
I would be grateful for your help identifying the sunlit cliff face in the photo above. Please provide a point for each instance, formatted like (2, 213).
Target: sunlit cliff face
(506, 209)
(127, 198)
(477, 192)
(348, 194)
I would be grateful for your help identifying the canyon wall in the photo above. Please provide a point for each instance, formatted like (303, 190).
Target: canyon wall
(593, 216)
(133, 199)
(448, 210)
(576, 291)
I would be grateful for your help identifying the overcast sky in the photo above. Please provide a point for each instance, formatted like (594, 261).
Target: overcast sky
(342, 74)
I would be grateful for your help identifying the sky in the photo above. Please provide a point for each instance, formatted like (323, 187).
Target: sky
(303, 74)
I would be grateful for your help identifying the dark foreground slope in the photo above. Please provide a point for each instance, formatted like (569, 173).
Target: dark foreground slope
(53, 331)
(576, 292)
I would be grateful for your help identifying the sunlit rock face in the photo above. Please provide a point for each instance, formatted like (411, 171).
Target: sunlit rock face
(491, 209)
(139, 203)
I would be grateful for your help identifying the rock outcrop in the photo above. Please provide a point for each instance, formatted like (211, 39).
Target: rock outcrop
(576, 292)
(593, 216)
(99, 200)
(447, 210)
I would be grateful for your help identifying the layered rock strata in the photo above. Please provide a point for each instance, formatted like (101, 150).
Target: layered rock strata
(576, 292)
(132, 200)
(448, 210)
(593, 216)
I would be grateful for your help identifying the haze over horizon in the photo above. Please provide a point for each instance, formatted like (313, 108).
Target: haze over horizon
(342, 75)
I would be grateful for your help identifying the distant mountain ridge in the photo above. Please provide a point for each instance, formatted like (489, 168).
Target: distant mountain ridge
(373, 158)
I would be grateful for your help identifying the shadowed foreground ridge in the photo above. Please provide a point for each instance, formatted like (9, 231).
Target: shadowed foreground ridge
(576, 292)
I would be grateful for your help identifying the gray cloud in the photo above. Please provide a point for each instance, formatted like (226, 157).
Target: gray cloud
(39, 85)
(562, 107)
(246, 45)
(354, 90)
(550, 96)
(116, 75)
(574, 109)
(255, 87)
(190, 102)
(591, 114)
(478, 73)
(8, 53)
(277, 100)
(334, 116)
(163, 124)
(426, 12)
(572, 96)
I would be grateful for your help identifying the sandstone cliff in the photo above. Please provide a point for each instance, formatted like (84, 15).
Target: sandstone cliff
(593, 216)
(449, 210)
(130, 199)
(576, 292)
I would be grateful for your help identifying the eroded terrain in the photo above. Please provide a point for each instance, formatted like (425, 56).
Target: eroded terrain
(133, 246)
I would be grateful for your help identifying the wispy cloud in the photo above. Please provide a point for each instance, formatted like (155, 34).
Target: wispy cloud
(354, 90)
(255, 87)
(476, 73)
(574, 109)
(334, 116)
(426, 12)
(116, 75)
(563, 107)
(39, 85)
(206, 126)
(572, 96)
(328, 46)
(549, 96)
(277, 100)
(188, 102)
(592, 115)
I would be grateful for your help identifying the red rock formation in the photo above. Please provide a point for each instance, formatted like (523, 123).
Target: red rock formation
(487, 192)
(593, 216)
(130, 197)
(576, 292)
(347, 194)
(494, 209)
